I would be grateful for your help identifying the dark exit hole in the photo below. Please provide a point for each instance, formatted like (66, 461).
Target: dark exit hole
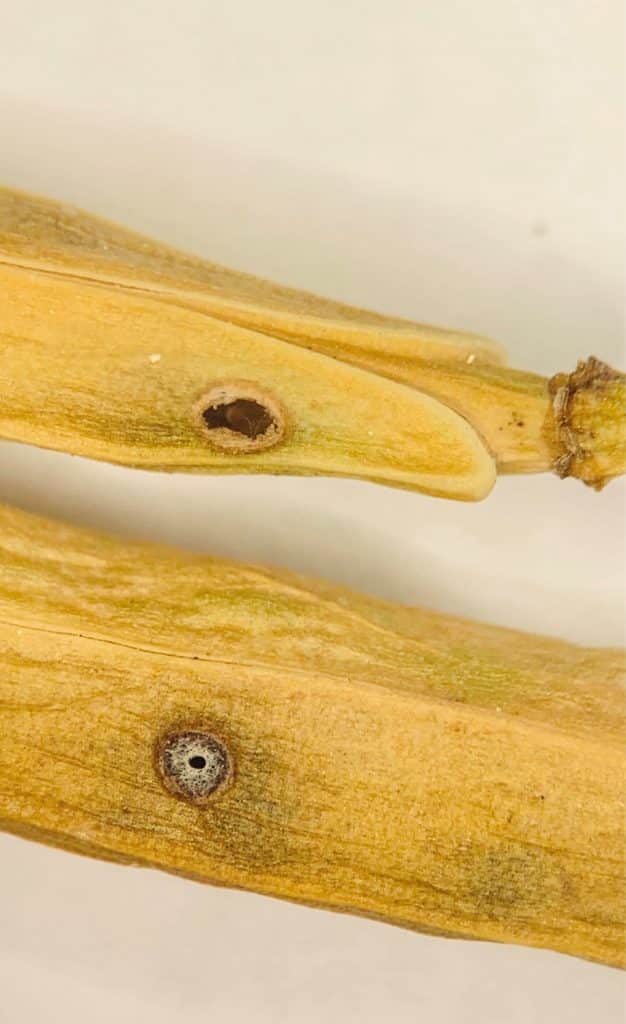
(242, 416)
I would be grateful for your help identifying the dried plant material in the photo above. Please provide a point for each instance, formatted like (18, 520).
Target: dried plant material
(255, 729)
(108, 342)
(75, 376)
(591, 432)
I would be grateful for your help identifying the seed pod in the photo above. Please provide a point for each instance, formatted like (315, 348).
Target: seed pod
(256, 730)
(114, 347)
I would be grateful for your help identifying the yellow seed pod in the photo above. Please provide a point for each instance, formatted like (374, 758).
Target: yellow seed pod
(259, 730)
(117, 348)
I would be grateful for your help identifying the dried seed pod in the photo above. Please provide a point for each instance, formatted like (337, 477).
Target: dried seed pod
(119, 339)
(436, 773)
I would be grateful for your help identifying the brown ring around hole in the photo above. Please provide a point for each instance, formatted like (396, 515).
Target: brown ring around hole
(239, 417)
(194, 764)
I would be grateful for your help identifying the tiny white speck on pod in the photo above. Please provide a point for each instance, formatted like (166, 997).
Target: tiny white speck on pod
(154, 358)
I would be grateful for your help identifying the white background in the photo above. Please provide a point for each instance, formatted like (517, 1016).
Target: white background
(452, 161)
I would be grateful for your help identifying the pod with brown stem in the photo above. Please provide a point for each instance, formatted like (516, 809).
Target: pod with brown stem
(117, 348)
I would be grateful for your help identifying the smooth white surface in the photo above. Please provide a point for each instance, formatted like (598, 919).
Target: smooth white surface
(455, 162)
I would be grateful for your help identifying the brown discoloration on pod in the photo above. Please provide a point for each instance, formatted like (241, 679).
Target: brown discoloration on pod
(193, 763)
(431, 772)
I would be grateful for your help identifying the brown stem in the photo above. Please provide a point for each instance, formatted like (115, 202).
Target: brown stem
(590, 414)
